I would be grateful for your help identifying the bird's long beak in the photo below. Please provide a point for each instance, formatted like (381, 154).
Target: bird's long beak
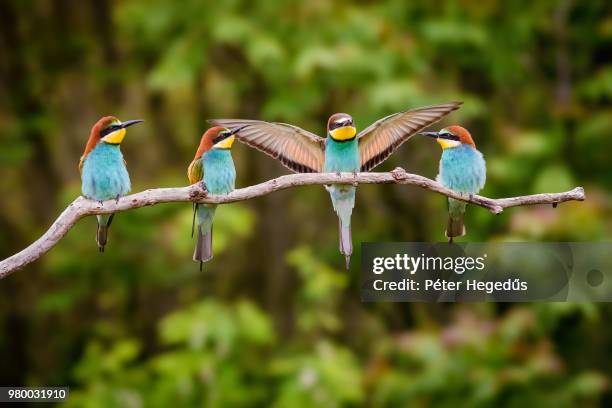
(237, 129)
(225, 135)
(116, 137)
(435, 135)
(128, 123)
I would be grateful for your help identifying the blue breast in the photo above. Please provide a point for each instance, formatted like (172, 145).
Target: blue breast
(341, 156)
(219, 171)
(104, 175)
(462, 169)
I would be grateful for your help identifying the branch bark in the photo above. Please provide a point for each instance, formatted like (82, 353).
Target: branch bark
(82, 207)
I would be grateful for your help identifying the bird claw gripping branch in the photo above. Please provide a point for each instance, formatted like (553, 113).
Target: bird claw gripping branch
(398, 173)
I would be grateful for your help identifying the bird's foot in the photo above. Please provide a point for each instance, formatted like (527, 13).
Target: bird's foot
(338, 174)
(101, 202)
(203, 186)
(117, 199)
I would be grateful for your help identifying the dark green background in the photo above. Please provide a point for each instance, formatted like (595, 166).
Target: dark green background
(274, 320)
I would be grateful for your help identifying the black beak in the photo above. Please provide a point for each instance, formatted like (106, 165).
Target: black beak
(236, 130)
(435, 135)
(130, 123)
(224, 135)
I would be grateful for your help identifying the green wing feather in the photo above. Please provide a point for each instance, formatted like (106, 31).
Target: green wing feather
(195, 174)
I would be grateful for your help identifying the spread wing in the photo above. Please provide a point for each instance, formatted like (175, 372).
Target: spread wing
(379, 140)
(296, 148)
(195, 171)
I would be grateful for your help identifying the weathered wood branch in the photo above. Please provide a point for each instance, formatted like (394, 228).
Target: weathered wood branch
(82, 207)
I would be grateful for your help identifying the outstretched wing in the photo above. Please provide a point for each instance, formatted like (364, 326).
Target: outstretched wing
(296, 148)
(379, 140)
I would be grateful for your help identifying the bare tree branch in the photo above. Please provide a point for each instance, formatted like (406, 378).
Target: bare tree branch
(82, 207)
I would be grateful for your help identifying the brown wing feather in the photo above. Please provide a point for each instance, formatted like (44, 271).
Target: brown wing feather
(296, 148)
(379, 140)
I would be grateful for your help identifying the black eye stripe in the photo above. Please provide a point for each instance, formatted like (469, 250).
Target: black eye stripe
(336, 125)
(109, 130)
(449, 136)
(220, 137)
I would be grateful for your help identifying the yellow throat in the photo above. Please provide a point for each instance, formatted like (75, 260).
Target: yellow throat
(226, 143)
(447, 144)
(343, 133)
(114, 138)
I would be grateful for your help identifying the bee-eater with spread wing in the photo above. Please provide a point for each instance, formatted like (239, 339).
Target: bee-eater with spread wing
(342, 151)
(212, 165)
(462, 169)
(104, 175)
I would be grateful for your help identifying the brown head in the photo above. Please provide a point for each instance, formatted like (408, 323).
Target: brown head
(452, 136)
(109, 130)
(340, 127)
(216, 137)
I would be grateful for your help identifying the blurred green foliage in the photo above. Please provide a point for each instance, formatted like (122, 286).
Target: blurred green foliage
(272, 321)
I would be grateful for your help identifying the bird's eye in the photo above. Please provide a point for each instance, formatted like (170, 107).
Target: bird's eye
(449, 136)
(109, 130)
(221, 136)
(339, 124)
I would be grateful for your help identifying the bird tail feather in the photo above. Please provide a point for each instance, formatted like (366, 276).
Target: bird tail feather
(455, 226)
(193, 218)
(346, 242)
(343, 199)
(104, 222)
(203, 248)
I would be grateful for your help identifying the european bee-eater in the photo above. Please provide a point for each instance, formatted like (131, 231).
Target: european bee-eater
(462, 169)
(342, 151)
(212, 165)
(103, 172)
